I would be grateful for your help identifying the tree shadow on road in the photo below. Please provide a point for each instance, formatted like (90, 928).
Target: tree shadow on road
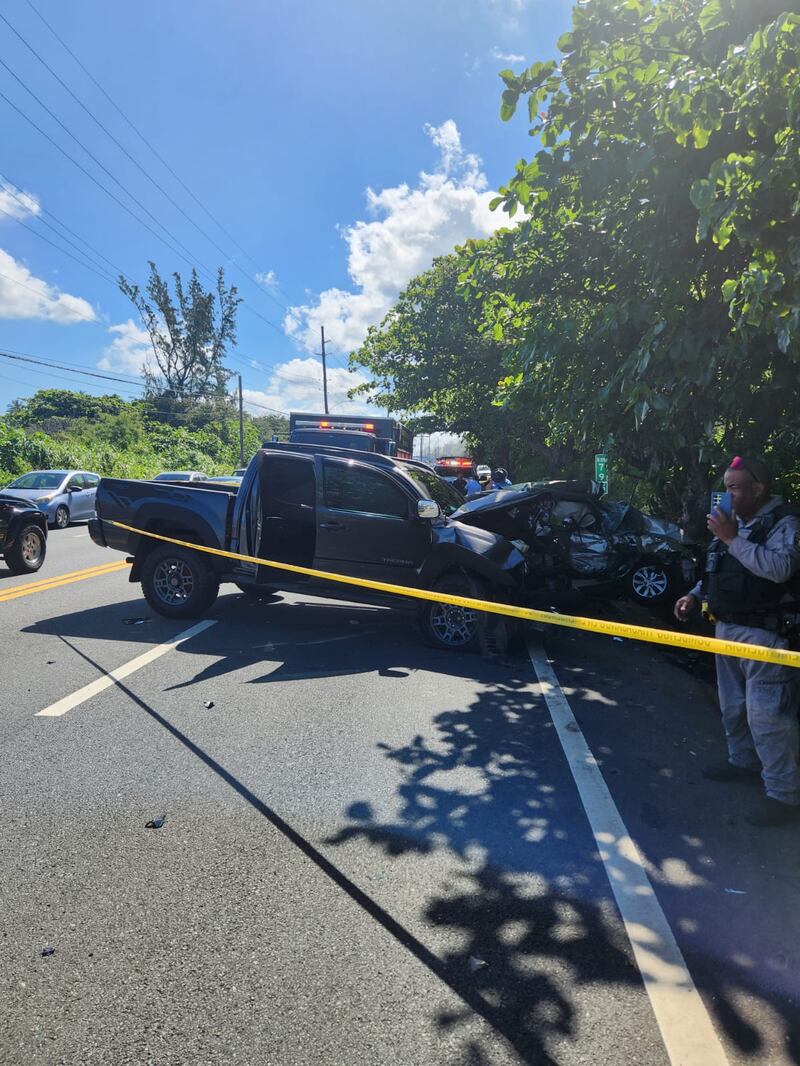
(490, 787)
(529, 898)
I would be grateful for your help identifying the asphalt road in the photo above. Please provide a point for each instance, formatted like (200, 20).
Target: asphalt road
(373, 852)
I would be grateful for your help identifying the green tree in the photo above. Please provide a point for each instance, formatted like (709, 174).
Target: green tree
(62, 403)
(429, 359)
(189, 334)
(650, 294)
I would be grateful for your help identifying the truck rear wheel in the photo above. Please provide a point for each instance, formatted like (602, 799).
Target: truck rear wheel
(177, 582)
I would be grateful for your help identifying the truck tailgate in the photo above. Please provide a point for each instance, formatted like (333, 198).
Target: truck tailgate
(163, 507)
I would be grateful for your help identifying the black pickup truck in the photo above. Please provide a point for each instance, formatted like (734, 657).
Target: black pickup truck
(347, 512)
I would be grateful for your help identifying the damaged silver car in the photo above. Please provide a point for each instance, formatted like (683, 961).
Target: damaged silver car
(571, 536)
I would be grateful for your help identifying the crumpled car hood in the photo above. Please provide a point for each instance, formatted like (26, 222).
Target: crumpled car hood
(482, 541)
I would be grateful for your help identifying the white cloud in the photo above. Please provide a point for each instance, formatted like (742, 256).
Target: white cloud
(23, 295)
(129, 351)
(415, 225)
(269, 279)
(17, 203)
(506, 57)
(509, 12)
(296, 385)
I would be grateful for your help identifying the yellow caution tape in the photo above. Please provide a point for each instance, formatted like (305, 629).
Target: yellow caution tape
(689, 641)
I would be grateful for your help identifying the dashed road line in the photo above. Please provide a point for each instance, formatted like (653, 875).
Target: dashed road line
(686, 1028)
(75, 699)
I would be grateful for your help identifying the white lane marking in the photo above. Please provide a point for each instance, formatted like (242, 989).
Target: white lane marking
(55, 710)
(686, 1029)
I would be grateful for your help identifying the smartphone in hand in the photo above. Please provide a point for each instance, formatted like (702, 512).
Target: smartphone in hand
(724, 501)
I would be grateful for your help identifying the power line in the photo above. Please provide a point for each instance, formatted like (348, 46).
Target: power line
(72, 370)
(84, 384)
(133, 379)
(18, 357)
(13, 188)
(103, 276)
(137, 164)
(188, 257)
(142, 138)
(92, 178)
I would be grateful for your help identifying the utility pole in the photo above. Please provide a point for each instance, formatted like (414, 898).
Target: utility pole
(324, 371)
(241, 424)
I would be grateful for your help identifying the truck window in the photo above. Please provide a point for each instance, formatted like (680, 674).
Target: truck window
(289, 480)
(351, 488)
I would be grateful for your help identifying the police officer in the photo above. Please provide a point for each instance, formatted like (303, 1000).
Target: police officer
(751, 562)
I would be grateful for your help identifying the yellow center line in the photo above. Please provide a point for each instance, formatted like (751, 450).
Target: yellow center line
(33, 585)
(61, 579)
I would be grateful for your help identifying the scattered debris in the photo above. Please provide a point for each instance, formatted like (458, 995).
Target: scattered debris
(47, 951)
(134, 621)
(208, 704)
(735, 891)
(476, 964)
(619, 639)
(156, 823)
(50, 662)
(573, 727)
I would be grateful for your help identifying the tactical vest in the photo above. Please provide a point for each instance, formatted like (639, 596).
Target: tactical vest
(733, 593)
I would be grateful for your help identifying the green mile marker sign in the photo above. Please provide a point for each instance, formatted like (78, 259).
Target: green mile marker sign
(601, 470)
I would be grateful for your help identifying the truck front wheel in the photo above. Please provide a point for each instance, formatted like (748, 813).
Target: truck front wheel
(449, 627)
(178, 583)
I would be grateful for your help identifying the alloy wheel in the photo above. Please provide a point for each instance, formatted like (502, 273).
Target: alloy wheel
(649, 582)
(454, 626)
(31, 547)
(173, 581)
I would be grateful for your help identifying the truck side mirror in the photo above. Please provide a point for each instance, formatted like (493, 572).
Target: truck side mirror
(428, 509)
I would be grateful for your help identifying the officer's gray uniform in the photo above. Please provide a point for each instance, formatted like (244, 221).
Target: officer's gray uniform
(759, 701)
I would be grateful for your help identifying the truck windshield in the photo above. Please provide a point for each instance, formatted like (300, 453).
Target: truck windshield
(433, 488)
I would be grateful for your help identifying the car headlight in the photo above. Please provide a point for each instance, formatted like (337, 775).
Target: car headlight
(45, 499)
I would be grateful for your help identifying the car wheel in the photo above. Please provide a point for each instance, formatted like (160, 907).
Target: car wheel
(178, 583)
(650, 583)
(448, 626)
(61, 517)
(27, 555)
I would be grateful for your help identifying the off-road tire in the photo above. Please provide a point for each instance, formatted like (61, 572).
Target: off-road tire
(177, 582)
(453, 628)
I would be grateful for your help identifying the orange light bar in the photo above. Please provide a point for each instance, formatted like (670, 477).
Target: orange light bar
(369, 425)
(324, 425)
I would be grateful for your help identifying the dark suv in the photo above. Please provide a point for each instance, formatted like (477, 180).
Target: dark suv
(331, 509)
(23, 534)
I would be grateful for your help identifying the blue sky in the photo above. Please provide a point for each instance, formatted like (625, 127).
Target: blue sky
(342, 145)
